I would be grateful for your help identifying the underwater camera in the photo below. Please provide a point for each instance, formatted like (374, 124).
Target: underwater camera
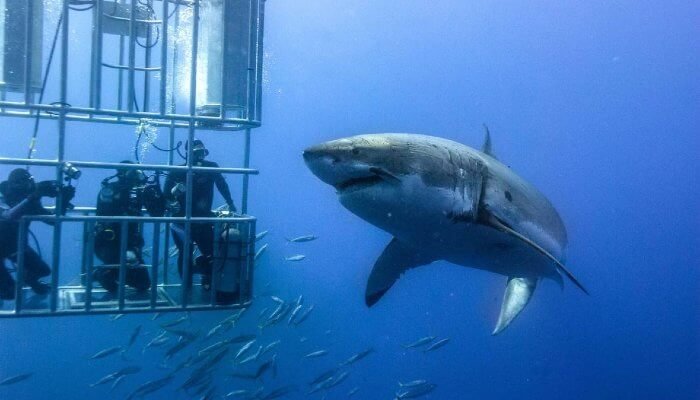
(71, 172)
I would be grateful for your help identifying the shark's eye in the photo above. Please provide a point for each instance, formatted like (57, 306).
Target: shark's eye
(355, 151)
(509, 196)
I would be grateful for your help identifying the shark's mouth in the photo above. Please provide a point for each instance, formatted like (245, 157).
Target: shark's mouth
(377, 176)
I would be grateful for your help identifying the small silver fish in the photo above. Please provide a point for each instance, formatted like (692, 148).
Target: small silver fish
(210, 349)
(213, 331)
(233, 318)
(332, 381)
(296, 257)
(353, 391)
(183, 334)
(294, 314)
(15, 379)
(150, 387)
(107, 352)
(270, 346)
(416, 391)
(437, 345)
(277, 299)
(240, 393)
(417, 382)
(134, 336)
(117, 382)
(317, 353)
(279, 392)
(179, 346)
(252, 357)
(276, 316)
(115, 317)
(261, 235)
(156, 341)
(243, 349)
(174, 322)
(260, 251)
(105, 379)
(304, 316)
(301, 239)
(324, 376)
(420, 342)
(356, 357)
(116, 375)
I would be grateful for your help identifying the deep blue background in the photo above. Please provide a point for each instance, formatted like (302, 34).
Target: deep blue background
(597, 104)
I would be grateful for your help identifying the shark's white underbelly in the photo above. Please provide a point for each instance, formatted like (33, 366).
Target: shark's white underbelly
(421, 218)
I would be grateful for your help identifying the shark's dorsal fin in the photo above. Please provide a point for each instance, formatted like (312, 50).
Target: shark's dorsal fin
(496, 223)
(487, 147)
(517, 295)
(396, 259)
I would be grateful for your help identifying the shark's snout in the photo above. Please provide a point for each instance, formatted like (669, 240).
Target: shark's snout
(316, 153)
(343, 164)
(325, 155)
(322, 161)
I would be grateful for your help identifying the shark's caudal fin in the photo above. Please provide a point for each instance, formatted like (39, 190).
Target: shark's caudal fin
(487, 147)
(517, 295)
(394, 261)
(496, 223)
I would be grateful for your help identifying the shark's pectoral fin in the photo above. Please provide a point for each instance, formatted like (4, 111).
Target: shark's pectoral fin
(394, 261)
(516, 297)
(498, 224)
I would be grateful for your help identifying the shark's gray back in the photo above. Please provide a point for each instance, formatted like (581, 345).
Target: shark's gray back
(523, 207)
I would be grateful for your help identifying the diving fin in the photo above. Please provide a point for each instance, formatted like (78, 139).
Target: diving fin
(496, 223)
(517, 295)
(396, 259)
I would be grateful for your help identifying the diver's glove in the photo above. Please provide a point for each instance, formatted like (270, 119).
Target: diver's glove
(173, 207)
(68, 192)
(154, 200)
(44, 189)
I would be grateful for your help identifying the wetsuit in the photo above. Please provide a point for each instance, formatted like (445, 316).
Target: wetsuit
(121, 199)
(202, 197)
(34, 267)
(14, 204)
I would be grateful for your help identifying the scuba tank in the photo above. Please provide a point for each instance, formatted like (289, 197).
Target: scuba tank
(227, 265)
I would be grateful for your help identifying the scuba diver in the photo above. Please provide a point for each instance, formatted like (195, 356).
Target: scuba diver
(21, 196)
(202, 234)
(125, 196)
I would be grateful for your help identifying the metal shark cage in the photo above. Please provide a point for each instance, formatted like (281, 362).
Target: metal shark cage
(178, 64)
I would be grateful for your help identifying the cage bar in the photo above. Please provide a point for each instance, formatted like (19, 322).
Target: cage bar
(164, 73)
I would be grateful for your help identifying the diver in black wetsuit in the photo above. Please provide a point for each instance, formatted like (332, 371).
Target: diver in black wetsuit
(126, 196)
(202, 198)
(22, 196)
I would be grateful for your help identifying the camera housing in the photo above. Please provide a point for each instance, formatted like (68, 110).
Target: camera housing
(71, 171)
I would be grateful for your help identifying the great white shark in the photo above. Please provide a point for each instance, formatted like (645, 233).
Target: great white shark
(442, 200)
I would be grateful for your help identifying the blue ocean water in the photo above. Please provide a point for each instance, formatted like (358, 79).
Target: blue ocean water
(596, 104)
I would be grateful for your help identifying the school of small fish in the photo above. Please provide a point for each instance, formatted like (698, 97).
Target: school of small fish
(194, 357)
